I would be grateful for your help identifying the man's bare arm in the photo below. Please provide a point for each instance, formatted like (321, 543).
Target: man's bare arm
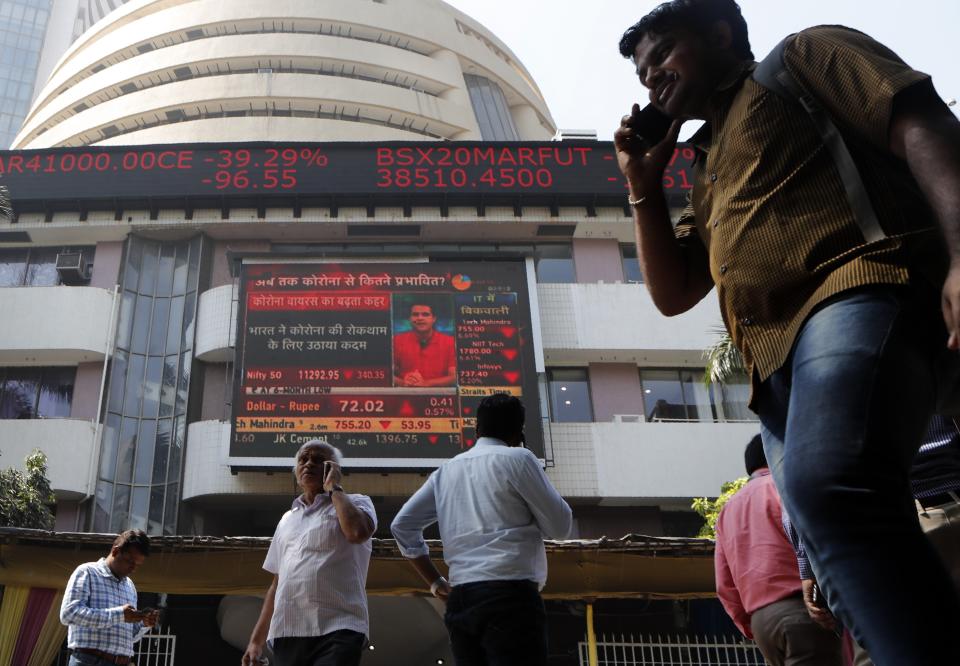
(676, 278)
(355, 523)
(430, 574)
(926, 134)
(258, 637)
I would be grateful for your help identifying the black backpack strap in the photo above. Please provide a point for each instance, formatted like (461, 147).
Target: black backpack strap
(772, 74)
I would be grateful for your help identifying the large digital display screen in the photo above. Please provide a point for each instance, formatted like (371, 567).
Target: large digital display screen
(386, 361)
(340, 169)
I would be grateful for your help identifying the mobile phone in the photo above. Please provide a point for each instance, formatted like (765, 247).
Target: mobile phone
(817, 597)
(652, 124)
(326, 469)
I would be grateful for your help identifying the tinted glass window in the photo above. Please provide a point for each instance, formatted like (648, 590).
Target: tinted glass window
(631, 265)
(56, 392)
(150, 381)
(676, 395)
(13, 268)
(735, 394)
(570, 395)
(555, 264)
(491, 109)
(29, 393)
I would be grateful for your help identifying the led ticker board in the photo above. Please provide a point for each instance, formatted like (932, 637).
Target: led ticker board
(386, 361)
(339, 169)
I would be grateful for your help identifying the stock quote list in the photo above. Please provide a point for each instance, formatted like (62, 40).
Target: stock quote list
(324, 169)
(333, 352)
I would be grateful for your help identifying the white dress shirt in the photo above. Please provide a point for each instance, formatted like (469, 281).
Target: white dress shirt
(495, 505)
(322, 577)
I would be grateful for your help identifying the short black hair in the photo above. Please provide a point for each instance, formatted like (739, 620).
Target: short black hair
(427, 302)
(697, 16)
(500, 415)
(133, 539)
(753, 456)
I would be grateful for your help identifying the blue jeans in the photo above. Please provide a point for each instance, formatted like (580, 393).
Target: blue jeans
(841, 421)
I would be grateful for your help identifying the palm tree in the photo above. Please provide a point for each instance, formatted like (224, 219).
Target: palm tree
(723, 360)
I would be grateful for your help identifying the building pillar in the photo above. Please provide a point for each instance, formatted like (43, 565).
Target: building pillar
(458, 95)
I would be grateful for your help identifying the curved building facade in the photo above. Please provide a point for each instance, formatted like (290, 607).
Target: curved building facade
(164, 71)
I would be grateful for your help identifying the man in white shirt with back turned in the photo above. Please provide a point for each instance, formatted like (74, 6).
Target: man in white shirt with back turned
(315, 610)
(494, 505)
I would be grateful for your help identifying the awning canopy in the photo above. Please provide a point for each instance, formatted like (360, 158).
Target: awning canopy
(632, 566)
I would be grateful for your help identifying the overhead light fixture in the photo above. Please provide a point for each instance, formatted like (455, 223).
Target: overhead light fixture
(566, 402)
(563, 388)
(648, 391)
(371, 647)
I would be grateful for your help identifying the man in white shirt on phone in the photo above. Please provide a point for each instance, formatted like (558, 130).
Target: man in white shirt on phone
(315, 610)
(494, 505)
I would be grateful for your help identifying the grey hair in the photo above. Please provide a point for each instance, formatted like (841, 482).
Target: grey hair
(337, 453)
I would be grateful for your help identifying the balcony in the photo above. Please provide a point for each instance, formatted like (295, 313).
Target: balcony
(616, 463)
(584, 323)
(644, 463)
(70, 445)
(216, 325)
(54, 325)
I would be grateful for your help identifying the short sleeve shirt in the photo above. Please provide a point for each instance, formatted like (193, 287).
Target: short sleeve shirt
(768, 211)
(321, 577)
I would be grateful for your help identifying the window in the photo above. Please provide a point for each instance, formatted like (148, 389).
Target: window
(631, 265)
(555, 264)
(734, 396)
(676, 395)
(491, 109)
(570, 395)
(34, 266)
(36, 393)
(147, 392)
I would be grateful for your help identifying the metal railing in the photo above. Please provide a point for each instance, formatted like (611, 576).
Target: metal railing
(672, 650)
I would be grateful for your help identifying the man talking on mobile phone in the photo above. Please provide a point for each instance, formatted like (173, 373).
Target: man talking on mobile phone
(100, 605)
(494, 505)
(315, 610)
(825, 210)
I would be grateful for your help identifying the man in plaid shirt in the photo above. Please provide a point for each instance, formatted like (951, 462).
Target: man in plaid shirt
(100, 605)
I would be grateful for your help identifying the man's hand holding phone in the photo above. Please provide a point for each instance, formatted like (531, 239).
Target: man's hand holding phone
(644, 143)
(331, 475)
(149, 616)
(817, 606)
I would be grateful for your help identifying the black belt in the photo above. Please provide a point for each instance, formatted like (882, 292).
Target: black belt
(939, 499)
(106, 656)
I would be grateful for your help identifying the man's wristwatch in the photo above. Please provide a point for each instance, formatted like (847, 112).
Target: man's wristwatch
(435, 585)
(336, 487)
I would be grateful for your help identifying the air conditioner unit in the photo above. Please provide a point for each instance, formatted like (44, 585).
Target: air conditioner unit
(575, 135)
(628, 418)
(72, 268)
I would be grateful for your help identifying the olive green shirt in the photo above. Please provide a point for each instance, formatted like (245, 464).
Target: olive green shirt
(768, 211)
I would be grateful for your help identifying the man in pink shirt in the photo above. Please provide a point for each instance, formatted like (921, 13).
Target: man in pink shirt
(758, 581)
